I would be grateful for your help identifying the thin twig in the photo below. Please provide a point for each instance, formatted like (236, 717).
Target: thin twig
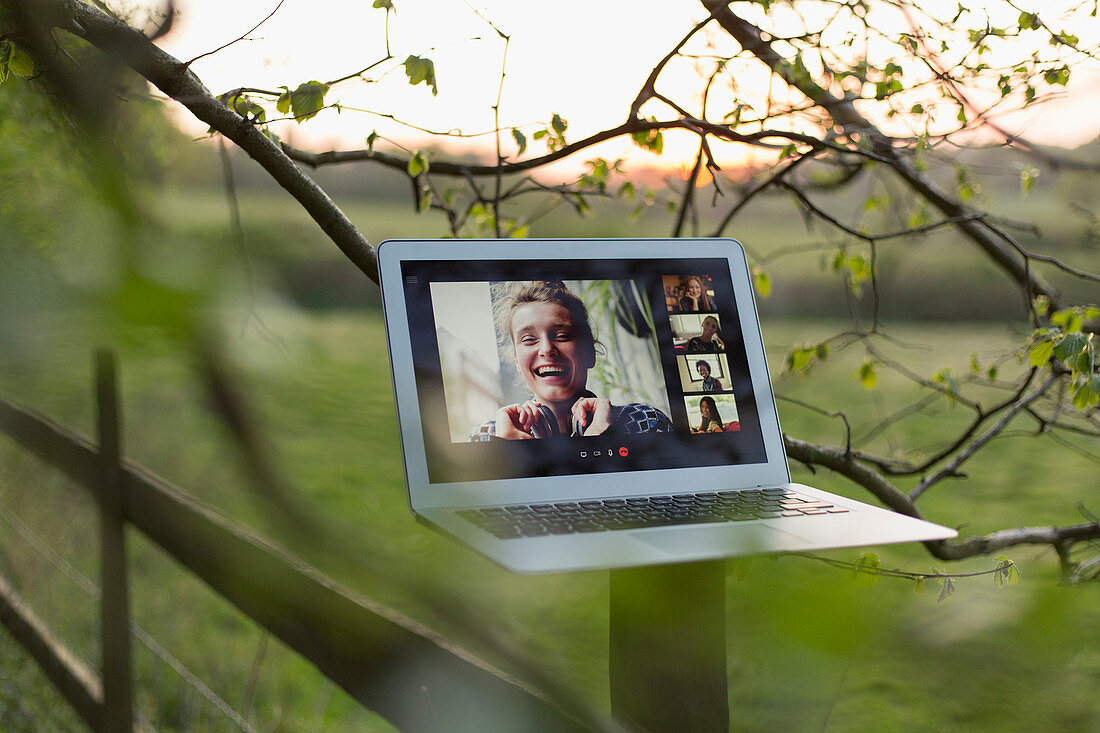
(239, 38)
(953, 467)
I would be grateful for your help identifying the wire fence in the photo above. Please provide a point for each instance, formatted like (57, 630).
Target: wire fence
(385, 661)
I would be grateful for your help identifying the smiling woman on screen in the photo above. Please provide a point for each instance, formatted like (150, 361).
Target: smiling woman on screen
(709, 419)
(694, 298)
(707, 342)
(553, 346)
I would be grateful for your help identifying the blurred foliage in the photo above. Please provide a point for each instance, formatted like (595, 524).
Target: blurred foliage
(321, 385)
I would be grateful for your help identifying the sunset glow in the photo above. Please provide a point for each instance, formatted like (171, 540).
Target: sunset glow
(585, 62)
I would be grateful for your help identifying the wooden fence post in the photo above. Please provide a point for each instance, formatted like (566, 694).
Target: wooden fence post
(115, 600)
(668, 647)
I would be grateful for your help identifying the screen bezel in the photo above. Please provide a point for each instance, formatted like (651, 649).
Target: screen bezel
(424, 493)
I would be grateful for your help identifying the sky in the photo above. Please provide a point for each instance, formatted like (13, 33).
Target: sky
(582, 60)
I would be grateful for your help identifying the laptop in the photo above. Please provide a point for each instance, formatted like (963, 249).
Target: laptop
(585, 404)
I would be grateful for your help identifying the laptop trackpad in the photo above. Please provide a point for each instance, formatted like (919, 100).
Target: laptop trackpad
(737, 538)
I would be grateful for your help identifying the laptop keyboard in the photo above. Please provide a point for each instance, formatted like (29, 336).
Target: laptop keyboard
(534, 520)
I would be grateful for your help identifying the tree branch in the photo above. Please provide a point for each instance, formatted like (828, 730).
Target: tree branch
(845, 115)
(952, 468)
(844, 463)
(990, 543)
(129, 47)
(315, 160)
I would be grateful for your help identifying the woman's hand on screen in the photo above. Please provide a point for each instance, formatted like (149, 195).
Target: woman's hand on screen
(593, 414)
(517, 422)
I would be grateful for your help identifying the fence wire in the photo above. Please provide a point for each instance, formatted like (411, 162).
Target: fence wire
(92, 590)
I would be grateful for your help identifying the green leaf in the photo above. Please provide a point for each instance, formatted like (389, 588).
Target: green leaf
(652, 140)
(946, 377)
(246, 108)
(762, 281)
(1057, 76)
(283, 103)
(1028, 21)
(799, 359)
(1027, 179)
(866, 570)
(967, 188)
(143, 302)
(1069, 347)
(386, 4)
(947, 589)
(20, 63)
(521, 140)
(1088, 394)
(1069, 319)
(919, 588)
(867, 375)
(421, 70)
(558, 125)
(1086, 360)
(371, 139)
(1005, 572)
(306, 101)
(1040, 354)
(418, 164)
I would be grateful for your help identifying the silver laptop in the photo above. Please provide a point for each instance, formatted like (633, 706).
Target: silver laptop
(583, 404)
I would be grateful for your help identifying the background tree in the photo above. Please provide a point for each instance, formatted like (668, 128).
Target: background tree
(865, 95)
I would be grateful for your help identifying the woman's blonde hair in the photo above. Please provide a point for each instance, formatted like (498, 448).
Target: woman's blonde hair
(509, 296)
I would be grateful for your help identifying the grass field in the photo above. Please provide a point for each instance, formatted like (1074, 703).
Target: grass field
(809, 648)
(938, 276)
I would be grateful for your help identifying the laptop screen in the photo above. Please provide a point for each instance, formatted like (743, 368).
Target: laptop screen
(528, 368)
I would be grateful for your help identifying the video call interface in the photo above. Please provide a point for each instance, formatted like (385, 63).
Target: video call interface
(540, 368)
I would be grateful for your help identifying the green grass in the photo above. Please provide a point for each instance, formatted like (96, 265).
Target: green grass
(808, 647)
